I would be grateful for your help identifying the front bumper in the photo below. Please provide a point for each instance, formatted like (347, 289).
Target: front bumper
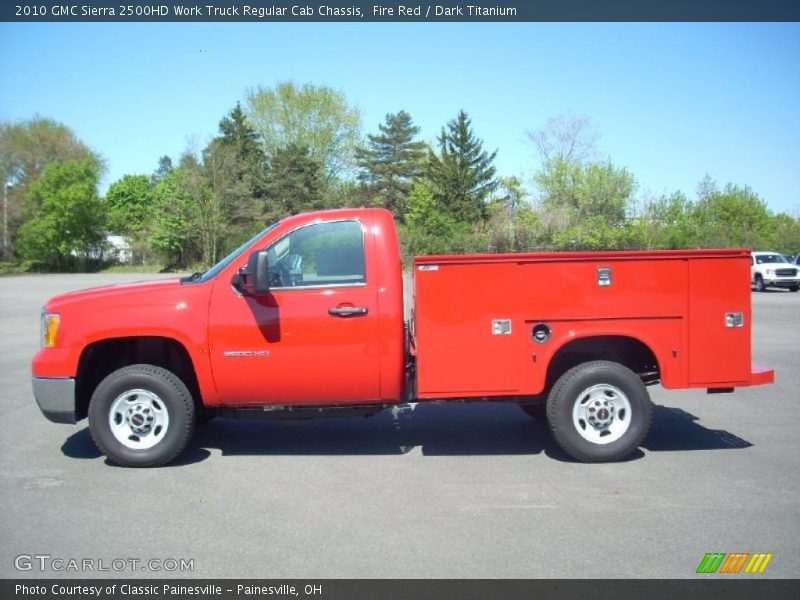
(56, 398)
(782, 283)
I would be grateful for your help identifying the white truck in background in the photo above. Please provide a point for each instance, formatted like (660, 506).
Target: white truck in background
(771, 269)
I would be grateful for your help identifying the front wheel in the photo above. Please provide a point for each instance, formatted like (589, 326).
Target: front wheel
(599, 411)
(760, 287)
(141, 416)
(794, 288)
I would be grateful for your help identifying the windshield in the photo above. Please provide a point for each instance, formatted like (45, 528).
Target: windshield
(213, 271)
(770, 258)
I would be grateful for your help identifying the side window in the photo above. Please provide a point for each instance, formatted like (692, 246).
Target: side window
(317, 255)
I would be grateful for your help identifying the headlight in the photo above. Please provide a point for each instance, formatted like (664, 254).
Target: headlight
(50, 322)
(770, 271)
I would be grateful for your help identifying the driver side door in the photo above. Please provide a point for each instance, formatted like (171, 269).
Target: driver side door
(313, 339)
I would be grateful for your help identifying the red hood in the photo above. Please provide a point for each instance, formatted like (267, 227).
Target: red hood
(111, 291)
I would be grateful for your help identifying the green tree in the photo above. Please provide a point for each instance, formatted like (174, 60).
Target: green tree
(592, 190)
(164, 167)
(173, 234)
(428, 230)
(391, 161)
(208, 218)
(513, 225)
(424, 214)
(66, 215)
(129, 211)
(664, 223)
(511, 193)
(462, 172)
(591, 233)
(26, 148)
(786, 234)
(235, 167)
(585, 204)
(237, 133)
(340, 193)
(732, 217)
(295, 181)
(317, 117)
(129, 204)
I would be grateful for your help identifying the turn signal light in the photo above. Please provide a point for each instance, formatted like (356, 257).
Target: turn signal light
(50, 323)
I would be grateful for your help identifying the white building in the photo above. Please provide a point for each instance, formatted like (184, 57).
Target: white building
(118, 249)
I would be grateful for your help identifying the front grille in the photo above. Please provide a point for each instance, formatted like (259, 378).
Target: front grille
(786, 272)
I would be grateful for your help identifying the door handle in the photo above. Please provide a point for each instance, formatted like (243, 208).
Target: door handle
(347, 311)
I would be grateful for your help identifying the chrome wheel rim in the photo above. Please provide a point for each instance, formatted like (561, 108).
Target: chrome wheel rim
(138, 419)
(601, 414)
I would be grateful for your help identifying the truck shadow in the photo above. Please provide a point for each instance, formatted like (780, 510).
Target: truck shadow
(432, 429)
(674, 429)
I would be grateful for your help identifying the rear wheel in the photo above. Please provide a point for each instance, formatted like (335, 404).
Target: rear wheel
(760, 287)
(599, 411)
(141, 416)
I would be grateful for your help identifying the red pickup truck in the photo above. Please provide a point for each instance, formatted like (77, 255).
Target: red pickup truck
(307, 320)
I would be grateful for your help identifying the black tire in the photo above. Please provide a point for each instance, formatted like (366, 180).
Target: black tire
(537, 411)
(794, 288)
(571, 388)
(171, 395)
(760, 287)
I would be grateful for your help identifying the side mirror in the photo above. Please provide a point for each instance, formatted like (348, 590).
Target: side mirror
(254, 278)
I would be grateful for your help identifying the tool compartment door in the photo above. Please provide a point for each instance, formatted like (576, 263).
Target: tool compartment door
(460, 353)
(718, 353)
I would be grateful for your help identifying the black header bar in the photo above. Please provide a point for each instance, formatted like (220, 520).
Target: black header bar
(259, 11)
(733, 588)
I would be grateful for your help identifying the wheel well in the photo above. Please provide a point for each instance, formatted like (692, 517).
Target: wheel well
(101, 358)
(627, 351)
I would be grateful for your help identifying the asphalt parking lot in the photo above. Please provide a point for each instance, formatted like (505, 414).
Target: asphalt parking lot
(457, 490)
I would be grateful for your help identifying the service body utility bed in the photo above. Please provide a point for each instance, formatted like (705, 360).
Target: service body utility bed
(475, 316)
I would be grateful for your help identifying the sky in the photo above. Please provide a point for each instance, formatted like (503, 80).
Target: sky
(671, 102)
